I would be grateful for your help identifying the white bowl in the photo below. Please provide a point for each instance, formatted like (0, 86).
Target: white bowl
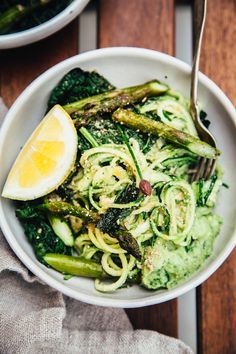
(44, 30)
(123, 67)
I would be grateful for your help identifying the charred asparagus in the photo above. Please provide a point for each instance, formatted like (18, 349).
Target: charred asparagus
(63, 208)
(150, 126)
(111, 100)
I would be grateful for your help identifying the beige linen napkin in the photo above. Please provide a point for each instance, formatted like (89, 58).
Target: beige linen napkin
(35, 318)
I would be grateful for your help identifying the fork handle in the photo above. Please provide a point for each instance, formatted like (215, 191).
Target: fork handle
(201, 10)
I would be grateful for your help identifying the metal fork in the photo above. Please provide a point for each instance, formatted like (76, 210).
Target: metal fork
(205, 167)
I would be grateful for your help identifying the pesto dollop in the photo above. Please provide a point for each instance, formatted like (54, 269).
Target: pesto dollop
(166, 264)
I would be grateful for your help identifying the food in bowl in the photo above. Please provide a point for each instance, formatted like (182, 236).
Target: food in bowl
(112, 200)
(20, 15)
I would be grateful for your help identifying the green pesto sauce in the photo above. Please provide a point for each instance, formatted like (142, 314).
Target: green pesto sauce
(166, 264)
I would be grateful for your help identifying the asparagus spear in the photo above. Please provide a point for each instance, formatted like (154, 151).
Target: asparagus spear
(147, 125)
(74, 265)
(63, 208)
(108, 223)
(15, 13)
(111, 100)
(127, 242)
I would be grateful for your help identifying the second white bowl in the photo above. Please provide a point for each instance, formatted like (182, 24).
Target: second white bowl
(44, 30)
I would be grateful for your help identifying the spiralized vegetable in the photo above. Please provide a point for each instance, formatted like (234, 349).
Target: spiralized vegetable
(169, 213)
(107, 170)
(94, 241)
(173, 218)
(104, 287)
(172, 110)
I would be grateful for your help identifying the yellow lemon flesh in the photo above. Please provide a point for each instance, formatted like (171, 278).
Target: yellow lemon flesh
(46, 159)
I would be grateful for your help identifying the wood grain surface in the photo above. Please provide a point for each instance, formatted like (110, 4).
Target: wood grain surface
(219, 45)
(18, 67)
(217, 296)
(141, 23)
(148, 24)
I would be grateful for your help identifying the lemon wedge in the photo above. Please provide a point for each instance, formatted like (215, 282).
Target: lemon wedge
(46, 159)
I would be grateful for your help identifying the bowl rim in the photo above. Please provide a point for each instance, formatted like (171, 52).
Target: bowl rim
(45, 29)
(169, 294)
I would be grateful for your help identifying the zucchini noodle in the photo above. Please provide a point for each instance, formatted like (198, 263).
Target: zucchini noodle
(106, 287)
(112, 269)
(100, 184)
(103, 241)
(173, 112)
(81, 241)
(176, 212)
(167, 216)
(84, 246)
(89, 252)
(109, 266)
(95, 241)
(109, 151)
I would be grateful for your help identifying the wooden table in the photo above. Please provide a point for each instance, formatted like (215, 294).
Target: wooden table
(151, 24)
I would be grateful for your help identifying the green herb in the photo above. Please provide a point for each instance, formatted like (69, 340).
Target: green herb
(213, 181)
(168, 115)
(104, 131)
(88, 136)
(126, 141)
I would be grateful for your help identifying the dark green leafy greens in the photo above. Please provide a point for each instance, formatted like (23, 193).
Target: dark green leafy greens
(105, 132)
(39, 232)
(78, 84)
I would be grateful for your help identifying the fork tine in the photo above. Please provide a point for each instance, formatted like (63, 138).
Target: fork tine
(205, 169)
(193, 171)
(200, 170)
(209, 170)
(213, 168)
